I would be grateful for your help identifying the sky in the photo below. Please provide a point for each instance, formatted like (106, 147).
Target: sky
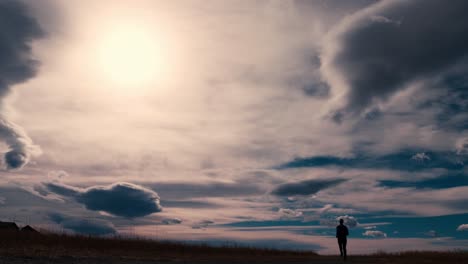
(260, 123)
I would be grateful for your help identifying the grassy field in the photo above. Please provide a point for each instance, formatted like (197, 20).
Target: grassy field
(16, 247)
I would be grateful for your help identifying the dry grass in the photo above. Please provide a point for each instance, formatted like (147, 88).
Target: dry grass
(52, 245)
(420, 257)
(16, 245)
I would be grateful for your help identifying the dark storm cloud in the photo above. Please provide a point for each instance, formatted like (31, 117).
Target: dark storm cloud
(120, 199)
(83, 226)
(305, 187)
(379, 50)
(17, 30)
(404, 160)
(441, 182)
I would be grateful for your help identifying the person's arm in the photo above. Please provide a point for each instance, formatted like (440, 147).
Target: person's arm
(347, 233)
(337, 231)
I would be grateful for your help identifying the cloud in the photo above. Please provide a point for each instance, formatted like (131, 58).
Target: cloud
(305, 187)
(289, 213)
(172, 221)
(202, 224)
(62, 189)
(463, 227)
(382, 19)
(421, 157)
(17, 31)
(431, 233)
(320, 90)
(462, 146)
(83, 226)
(120, 199)
(375, 233)
(350, 221)
(379, 50)
(325, 209)
(57, 175)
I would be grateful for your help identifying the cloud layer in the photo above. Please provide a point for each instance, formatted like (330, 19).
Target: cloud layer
(17, 31)
(120, 199)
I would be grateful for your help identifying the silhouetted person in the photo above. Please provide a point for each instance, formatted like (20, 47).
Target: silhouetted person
(341, 234)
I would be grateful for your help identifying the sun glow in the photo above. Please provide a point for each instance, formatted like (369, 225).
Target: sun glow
(130, 56)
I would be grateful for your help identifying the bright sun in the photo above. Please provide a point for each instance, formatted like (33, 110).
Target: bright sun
(130, 57)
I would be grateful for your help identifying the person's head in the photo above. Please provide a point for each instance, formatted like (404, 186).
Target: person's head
(341, 221)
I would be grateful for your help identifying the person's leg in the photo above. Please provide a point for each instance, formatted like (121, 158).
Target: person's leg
(344, 248)
(340, 245)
